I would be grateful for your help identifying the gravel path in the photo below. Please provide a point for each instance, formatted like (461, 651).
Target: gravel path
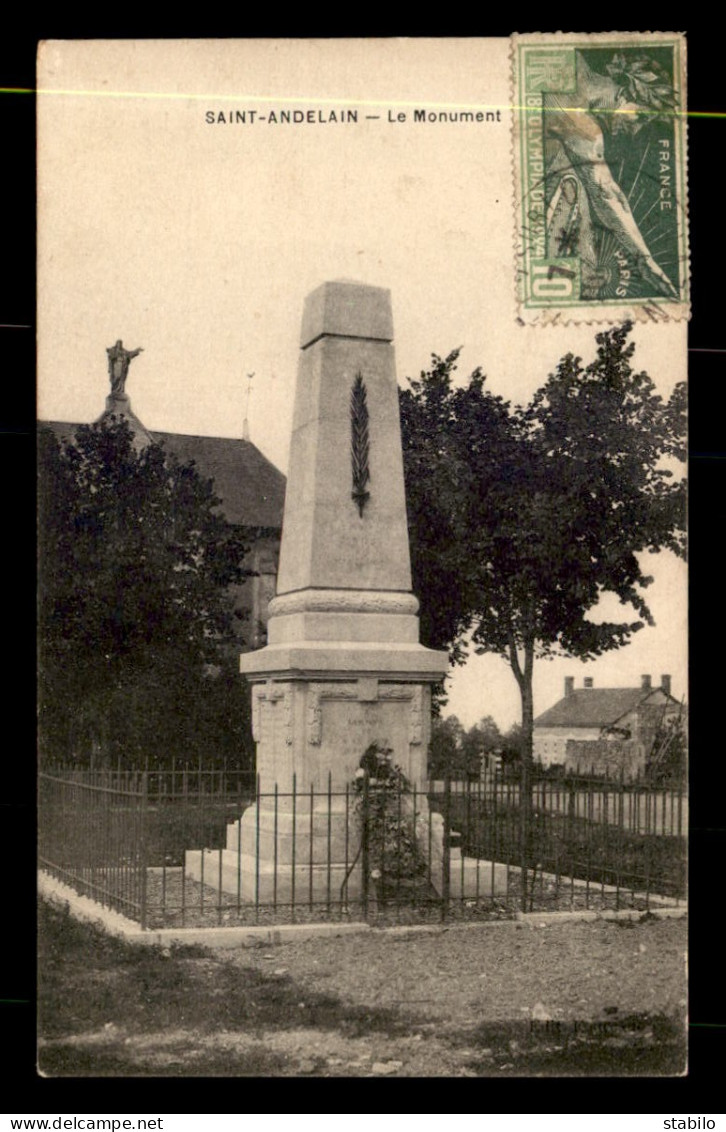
(496, 972)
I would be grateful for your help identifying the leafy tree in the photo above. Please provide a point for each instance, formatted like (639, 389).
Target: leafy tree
(445, 749)
(667, 763)
(457, 752)
(522, 517)
(513, 745)
(484, 738)
(436, 419)
(134, 609)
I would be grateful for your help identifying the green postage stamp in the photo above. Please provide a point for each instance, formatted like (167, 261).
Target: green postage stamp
(600, 177)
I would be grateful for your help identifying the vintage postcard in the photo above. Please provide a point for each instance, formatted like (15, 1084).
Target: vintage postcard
(362, 584)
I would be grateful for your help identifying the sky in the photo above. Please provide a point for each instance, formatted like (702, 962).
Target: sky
(199, 241)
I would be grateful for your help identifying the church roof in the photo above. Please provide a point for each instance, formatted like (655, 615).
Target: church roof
(251, 488)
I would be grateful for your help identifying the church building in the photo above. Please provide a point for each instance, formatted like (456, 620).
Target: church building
(250, 487)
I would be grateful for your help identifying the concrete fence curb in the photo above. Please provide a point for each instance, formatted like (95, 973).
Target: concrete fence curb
(659, 913)
(115, 924)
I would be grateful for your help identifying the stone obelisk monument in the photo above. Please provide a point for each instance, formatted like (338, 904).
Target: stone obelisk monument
(343, 668)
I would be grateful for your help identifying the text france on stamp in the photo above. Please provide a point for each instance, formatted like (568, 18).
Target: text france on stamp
(600, 177)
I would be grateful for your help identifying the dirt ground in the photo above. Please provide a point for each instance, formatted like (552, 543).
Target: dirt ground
(519, 989)
(495, 972)
(505, 999)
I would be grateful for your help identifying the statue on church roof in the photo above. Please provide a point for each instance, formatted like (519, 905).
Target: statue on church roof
(119, 361)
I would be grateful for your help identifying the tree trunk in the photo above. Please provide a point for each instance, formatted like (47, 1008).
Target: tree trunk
(527, 719)
(523, 673)
(525, 802)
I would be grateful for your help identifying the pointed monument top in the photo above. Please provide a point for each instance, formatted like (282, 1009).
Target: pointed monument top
(349, 310)
(344, 606)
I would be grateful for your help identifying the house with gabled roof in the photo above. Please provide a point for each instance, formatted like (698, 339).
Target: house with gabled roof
(605, 729)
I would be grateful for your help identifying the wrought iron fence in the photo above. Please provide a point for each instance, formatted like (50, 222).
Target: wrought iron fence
(92, 835)
(582, 835)
(191, 848)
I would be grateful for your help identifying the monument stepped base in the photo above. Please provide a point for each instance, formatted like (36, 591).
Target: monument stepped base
(260, 881)
(471, 877)
(272, 857)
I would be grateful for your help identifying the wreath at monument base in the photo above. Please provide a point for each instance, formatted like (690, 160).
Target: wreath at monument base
(392, 833)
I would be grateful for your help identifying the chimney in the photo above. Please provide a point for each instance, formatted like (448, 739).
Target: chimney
(588, 682)
(569, 685)
(645, 683)
(665, 683)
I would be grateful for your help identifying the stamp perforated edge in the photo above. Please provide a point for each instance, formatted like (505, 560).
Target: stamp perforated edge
(592, 313)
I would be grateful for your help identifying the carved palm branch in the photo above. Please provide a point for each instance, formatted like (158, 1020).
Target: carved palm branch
(359, 443)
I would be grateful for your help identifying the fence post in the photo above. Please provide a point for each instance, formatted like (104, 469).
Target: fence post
(344, 887)
(294, 846)
(274, 853)
(364, 844)
(620, 836)
(329, 831)
(446, 861)
(257, 849)
(524, 816)
(414, 839)
(399, 789)
(142, 846)
(311, 846)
